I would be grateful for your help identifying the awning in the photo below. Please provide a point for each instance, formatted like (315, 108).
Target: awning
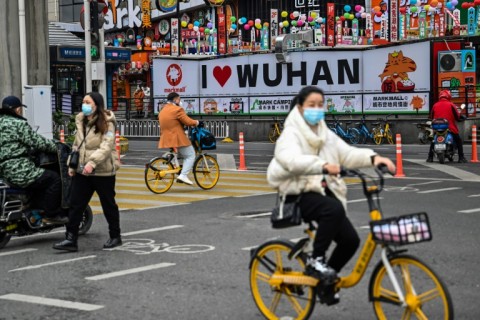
(58, 36)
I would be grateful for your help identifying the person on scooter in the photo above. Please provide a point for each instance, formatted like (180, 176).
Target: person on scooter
(445, 109)
(17, 142)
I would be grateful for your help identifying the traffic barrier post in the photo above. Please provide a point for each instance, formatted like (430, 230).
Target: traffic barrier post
(62, 136)
(399, 173)
(242, 166)
(474, 144)
(117, 144)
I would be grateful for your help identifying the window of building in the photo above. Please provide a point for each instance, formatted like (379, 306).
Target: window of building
(70, 10)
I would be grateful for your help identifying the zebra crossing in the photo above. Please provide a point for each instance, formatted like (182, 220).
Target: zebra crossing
(132, 193)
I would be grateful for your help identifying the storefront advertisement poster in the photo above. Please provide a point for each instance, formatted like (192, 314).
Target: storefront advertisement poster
(273, 26)
(174, 42)
(223, 105)
(171, 75)
(396, 103)
(334, 72)
(347, 104)
(271, 104)
(330, 24)
(403, 68)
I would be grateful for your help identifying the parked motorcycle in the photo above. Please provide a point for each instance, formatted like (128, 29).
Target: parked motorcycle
(443, 143)
(19, 218)
(426, 132)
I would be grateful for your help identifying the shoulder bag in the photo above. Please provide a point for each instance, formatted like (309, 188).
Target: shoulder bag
(286, 214)
(74, 156)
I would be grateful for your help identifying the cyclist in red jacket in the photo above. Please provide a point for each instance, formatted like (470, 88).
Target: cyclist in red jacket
(444, 108)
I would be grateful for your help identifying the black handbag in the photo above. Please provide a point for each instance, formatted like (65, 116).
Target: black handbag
(74, 156)
(286, 214)
(73, 159)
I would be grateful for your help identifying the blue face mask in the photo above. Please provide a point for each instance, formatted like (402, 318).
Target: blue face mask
(313, 115)
(87, 109)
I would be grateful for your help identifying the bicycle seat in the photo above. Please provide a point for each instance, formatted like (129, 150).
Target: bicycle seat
(348, 122)
(375, 123)
(358, 123)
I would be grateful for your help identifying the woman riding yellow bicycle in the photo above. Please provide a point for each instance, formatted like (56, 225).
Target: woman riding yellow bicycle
(303, 152)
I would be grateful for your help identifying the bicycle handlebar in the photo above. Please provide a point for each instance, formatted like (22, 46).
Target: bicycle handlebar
(380, 170)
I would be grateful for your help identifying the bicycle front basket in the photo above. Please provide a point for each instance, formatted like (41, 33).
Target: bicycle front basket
(402, 230)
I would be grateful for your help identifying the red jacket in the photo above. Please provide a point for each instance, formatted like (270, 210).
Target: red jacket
(447, 110)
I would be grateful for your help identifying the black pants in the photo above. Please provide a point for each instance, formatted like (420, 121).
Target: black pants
(46, 193)
(83, 188)
(458, 142)
(333, 225)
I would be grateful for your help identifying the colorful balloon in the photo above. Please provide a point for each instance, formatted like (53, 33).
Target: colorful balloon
(233, 19)
(184, 24)
(347, 8)
(246, 27)
(284, 14)
(358, 7)
(196, 23)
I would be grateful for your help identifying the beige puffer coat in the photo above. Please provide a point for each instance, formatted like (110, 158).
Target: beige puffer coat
(98, 150)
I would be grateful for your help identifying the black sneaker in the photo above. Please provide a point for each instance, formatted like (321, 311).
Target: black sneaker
(327, 295)
(462, 160)
(430, 159)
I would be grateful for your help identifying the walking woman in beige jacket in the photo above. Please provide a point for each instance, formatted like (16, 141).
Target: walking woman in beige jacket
(98, 164)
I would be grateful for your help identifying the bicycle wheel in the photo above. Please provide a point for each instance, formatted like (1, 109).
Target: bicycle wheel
(377, 136)
(389, 136)
(156, 179)
(284, 301)
(206, 171)
(354, 135)
(426, 295)
(273, 135)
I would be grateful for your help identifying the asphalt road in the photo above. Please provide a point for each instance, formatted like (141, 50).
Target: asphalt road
(190, 261)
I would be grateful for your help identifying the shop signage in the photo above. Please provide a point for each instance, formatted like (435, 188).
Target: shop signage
(174, 41)
(71, 53)
(273, 26)
(346, 76)
(311, 3)
(330, 24)
(122, 17)
(117, 55)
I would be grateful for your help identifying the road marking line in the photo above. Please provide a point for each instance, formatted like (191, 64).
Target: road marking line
(439, 190)
(16, 252)
(360, 200)
(474, 195)
(37, 234)
(130, 271)
(151, 230)
(470, 210)
(255, 215)
(423, 183)
(456, 172)
(51, 263)
(254, 195)
(51, 302)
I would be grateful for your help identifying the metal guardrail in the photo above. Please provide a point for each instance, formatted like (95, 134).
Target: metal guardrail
(151, 128)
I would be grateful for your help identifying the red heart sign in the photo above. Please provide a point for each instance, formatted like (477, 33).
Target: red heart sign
(222, 74)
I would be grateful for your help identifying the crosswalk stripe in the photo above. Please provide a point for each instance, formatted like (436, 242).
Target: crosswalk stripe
(132, 193)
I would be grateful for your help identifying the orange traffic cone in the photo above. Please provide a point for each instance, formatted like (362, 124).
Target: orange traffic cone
(242, 166)
(474, 144)
(399, 173)
(117, 144)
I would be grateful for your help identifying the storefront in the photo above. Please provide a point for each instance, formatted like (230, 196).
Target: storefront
(115, 58)
(67, 74)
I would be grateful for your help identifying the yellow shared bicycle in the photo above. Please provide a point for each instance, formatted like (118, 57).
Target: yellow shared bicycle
(401, 285)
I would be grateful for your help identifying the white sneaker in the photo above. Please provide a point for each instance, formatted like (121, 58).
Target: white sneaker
(184, 179)
(324, 272)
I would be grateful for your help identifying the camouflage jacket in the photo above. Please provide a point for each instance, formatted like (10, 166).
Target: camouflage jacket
(17, 141)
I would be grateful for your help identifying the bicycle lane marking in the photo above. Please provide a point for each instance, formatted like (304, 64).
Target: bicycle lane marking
(130, 271)
(149, 246)
(37, 266)
(151, 230)
(17, 252)
(51, 302)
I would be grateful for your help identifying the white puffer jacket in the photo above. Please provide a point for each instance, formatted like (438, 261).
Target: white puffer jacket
(300, 155)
